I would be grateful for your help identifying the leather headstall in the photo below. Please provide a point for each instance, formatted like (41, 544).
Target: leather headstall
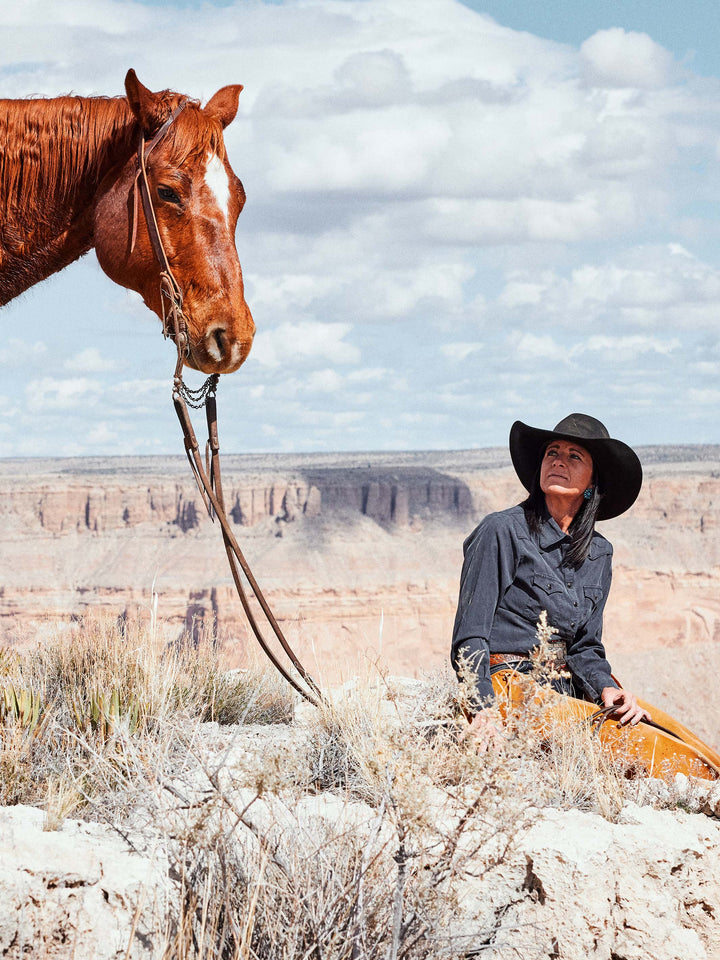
(171, 298)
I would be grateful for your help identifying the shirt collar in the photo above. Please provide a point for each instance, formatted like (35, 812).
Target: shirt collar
(550, 533)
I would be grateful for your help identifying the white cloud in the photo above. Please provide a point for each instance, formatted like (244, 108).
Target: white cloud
(89, 360)
(624, 349)
(678, 250)
(129, 389)
(707, 368)
(647, 287)
(458, 352)
(620, 58)
(375, 78)
(102, 435)
(50, 393)
(307, 340)
(378, 152)
(323, 381)
(522, 293)
(530, 346)
(397, 293)
(346, 418)
(18, 352)
(291, 291)
(709, 397)
(490, 222)
(621, 147)
(367, 374)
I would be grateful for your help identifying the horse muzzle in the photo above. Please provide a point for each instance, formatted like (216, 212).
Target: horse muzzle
(221, 349)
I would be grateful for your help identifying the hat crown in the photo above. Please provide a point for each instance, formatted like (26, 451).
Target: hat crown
(582, 426)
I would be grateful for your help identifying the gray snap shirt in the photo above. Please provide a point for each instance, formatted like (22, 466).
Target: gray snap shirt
(509, 577)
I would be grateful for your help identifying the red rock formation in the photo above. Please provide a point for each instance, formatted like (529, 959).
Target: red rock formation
(357, 554)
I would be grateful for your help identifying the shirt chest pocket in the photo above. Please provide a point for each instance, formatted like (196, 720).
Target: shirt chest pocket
(544, 594)
(593, 595)
(545, 586)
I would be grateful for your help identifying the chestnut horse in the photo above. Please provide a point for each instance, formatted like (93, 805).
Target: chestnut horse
(68, 168)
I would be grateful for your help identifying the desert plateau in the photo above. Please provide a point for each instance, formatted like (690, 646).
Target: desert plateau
(358, 554)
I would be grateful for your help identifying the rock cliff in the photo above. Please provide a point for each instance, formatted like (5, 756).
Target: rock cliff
(359, 556)
(544, 882)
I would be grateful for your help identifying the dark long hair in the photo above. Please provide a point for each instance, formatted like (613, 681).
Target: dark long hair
(582, 527)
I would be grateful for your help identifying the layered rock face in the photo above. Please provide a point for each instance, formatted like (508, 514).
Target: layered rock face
(359, 557)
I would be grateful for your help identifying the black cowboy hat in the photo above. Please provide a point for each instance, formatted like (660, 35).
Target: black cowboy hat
(617, 468)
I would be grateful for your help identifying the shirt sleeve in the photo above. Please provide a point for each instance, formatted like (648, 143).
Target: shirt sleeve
(586, 655)
(488, 570)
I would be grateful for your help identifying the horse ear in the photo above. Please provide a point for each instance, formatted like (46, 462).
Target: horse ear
(223, 106)
(143, 103)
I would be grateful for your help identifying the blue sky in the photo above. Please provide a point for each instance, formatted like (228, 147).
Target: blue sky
(459, 214)
(691, 31)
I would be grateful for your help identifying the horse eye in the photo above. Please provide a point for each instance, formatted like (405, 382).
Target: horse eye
(168, 194)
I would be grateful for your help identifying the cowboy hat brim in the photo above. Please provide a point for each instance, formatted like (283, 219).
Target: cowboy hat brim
(617, 467)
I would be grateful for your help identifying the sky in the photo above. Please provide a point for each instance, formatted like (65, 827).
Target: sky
(458, 215)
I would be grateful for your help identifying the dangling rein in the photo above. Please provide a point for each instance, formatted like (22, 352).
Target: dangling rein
(207, 476)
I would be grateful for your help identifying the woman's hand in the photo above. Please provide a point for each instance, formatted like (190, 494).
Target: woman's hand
(627, 709)
(484, 732)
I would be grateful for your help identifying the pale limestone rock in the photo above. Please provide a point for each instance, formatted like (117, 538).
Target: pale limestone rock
(76, 892)
(570, 885)
(646, 887)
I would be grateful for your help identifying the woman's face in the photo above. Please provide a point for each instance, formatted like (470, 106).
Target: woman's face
(566, 470)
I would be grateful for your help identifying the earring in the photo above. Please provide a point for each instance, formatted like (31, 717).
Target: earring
(588, 493)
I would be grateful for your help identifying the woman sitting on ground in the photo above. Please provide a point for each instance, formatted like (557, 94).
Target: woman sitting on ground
(545, 554)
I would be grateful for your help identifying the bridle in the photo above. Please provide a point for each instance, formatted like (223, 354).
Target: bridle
(207, 475)
(171, 298)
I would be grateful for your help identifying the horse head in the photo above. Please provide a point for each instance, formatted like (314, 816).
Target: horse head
(197, 200)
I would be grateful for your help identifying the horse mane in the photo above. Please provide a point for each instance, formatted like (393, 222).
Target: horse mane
(50, 147)
(194, 134)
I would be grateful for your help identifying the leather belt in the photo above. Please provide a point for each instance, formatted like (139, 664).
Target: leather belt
(558, 656)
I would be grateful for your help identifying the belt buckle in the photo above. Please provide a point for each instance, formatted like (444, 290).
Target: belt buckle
(557, 650)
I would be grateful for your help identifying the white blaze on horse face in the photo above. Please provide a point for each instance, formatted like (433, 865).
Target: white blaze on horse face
(217, 181)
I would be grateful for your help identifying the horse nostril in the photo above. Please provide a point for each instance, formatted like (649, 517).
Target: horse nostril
(219, 335)
(223, 348)
(216, 343)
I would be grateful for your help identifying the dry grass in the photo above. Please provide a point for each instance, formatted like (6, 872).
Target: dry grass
(363, 831)
(101, 687)
(421, 820)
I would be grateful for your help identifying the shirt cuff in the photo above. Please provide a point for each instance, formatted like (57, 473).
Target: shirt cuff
(593, 686)
(470, 664)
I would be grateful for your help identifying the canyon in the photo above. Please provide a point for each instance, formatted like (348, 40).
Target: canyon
(359, 556)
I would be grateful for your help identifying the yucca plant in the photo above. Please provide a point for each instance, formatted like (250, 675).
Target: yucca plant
(22, 706)
(100, 712)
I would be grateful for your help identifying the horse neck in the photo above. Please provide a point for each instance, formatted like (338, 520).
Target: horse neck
(56, 153)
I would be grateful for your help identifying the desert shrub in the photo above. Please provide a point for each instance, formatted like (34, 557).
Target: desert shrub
(73, 706)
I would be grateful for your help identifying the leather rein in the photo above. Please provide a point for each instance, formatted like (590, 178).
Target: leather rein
(207, 475)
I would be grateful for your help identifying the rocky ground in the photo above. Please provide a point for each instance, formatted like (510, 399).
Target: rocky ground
(359, 555)
(525, 879)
